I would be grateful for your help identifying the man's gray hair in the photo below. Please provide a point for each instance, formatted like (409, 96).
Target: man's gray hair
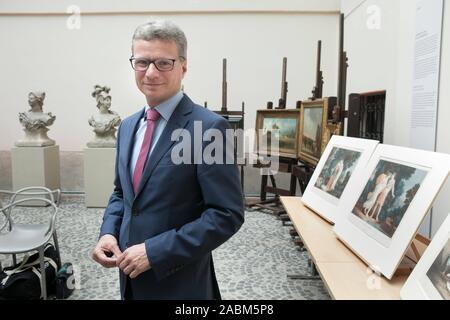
(164, 30)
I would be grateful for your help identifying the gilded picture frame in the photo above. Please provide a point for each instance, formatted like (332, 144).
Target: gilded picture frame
(313, 127)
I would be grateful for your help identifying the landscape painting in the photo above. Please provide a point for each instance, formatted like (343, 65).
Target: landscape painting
(283, 129)
(281, 125)
(312, 131)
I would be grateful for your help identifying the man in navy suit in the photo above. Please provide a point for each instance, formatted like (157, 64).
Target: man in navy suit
(165, 217)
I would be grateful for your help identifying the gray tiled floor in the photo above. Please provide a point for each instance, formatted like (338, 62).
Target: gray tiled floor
(253, 264)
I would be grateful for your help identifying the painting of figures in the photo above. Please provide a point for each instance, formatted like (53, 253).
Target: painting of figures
(384, 209)
(337, 171)
(312, 131)
(388, 194)
(341, 165)
(439, 272)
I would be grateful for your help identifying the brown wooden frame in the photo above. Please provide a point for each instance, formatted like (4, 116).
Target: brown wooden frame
(282, 114)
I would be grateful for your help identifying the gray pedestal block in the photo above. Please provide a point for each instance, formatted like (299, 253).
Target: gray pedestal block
(99, 173)
(35, 166)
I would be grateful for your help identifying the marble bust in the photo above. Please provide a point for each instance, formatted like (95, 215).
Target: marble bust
(105, 122)
(35, 123)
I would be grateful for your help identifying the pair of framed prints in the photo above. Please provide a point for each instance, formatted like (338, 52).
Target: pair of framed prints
(377, 196)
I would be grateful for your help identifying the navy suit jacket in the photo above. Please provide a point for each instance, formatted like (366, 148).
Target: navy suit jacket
(182, 212)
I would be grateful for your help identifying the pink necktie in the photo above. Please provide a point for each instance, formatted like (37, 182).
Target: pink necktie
(152, 117)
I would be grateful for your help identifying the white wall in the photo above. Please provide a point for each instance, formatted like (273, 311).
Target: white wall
(40, 53)
(442, 205)
(178, 6)
(383, 59)
(372, 53)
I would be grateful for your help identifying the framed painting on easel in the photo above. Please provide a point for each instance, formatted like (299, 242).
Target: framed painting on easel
(313, 125)
(382, 212)
(342, 162)
(281, 125)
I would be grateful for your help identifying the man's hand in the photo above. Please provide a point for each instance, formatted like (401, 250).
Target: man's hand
(107, 251)
(134, 260)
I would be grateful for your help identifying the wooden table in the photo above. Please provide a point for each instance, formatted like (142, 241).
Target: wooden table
(343, 273)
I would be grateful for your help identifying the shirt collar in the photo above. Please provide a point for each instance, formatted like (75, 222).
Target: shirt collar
(167, 107)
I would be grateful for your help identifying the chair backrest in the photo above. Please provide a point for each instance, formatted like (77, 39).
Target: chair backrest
(27, 194)
(3, 217)
(53, 211)
(39, 191)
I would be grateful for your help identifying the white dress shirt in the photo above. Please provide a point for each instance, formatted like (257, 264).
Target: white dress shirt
(165, 109)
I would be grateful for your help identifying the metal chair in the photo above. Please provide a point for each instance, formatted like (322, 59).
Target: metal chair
(16, 238)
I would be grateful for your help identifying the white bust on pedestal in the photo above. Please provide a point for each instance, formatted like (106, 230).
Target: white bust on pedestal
(105, 122)
(100, 155)
(35, 159)
(35, 123)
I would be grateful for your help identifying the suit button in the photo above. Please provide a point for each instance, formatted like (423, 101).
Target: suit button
(134, 211)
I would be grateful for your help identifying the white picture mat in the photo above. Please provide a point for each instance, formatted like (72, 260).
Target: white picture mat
(370, 230)
(382, 258)
(323, 203)
(418, 285)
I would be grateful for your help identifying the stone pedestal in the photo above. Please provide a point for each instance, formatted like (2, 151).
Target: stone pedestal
(99, 165)
(35, 166)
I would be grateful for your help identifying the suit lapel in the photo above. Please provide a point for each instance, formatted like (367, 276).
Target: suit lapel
(131, 132)
(178, 120)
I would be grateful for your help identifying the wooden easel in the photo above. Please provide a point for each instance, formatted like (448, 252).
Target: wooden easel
(235, 119)
(303, 173)
(413, 254)
(285, 166)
